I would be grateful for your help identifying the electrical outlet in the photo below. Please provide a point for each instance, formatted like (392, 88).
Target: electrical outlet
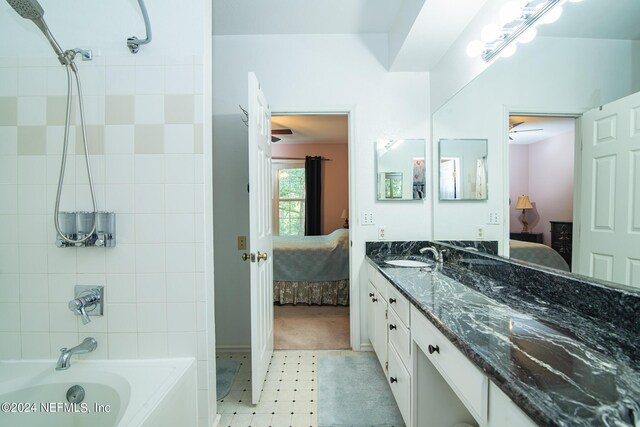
(494, 218)
(366, 218)
(480, 232)
(381, 233)
(242, 243)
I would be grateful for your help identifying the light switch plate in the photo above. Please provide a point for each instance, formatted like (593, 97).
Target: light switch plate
(494, 218)
(242, 243)
(366, 218)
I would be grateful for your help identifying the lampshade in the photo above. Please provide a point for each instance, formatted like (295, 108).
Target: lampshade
(345, 214)
(523, 203)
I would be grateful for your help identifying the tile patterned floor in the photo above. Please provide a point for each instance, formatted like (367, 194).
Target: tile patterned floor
(290, 393)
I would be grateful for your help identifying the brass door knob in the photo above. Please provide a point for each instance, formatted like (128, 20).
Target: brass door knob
(262, 256)
(245, 256)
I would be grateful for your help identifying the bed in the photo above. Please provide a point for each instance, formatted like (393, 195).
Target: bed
(311, 269)
(537, 253)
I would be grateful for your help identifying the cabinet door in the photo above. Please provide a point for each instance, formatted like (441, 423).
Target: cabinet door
(371, 315)
(380, 325)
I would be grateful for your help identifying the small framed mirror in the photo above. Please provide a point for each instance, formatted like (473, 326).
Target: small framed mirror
(463, 169)
(400, 169)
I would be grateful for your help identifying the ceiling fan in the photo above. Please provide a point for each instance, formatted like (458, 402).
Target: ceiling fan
(279, 132)
(516, 124)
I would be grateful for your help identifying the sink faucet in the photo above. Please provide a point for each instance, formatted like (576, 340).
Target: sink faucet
(437, 255)
(64, 361)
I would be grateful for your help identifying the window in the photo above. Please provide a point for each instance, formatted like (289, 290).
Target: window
(289, 198)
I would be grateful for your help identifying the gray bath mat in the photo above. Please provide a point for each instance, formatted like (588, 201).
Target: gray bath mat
(226, 370)
(353, 391)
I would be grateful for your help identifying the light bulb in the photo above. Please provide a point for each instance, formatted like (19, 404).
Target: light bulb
(528, 35)
(510, 11)
(575, 1)
(475, 48)
(552, 16)
(490, 33)
(508, 51)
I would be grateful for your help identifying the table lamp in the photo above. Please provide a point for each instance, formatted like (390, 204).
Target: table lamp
(524, 204)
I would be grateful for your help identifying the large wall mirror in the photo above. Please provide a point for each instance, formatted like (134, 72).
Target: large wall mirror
(570, 70)
(400, 169)
(463, 169)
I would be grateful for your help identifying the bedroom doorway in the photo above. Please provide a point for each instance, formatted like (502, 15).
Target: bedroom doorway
(312, 307)
(542, 156)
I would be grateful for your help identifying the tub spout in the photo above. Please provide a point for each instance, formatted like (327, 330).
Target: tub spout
(64, 361)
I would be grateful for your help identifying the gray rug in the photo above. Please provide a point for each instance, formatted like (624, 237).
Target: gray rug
(353, 391)
(226, 370)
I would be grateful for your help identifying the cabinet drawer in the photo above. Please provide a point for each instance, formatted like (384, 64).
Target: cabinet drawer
(466, 380)
(400, 383)
(377, 280)
(399, 304)
(399, 338)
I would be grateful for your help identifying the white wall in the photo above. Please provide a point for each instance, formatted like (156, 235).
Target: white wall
(550, 75)
(306, 72)
(146, 126)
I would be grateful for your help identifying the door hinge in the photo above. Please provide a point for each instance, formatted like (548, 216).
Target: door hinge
(386, 366)
(386, 313)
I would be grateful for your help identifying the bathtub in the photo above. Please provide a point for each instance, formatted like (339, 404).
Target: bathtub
(131, 393)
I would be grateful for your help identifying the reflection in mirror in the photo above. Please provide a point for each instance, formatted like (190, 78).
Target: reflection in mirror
(400, 169)
(571, 69)
(463, 169)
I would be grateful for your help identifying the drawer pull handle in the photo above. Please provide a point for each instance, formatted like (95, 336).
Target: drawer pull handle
(392, 327)
(433, 349)
(374, 299)
(393, 380)
(370, 294)
(392, 300)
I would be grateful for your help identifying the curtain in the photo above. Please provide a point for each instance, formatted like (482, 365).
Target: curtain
(313, 204)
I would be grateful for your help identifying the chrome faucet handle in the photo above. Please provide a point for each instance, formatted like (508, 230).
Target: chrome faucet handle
(81, 303)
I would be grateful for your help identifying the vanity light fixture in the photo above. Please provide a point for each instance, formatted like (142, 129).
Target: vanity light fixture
(518, 19)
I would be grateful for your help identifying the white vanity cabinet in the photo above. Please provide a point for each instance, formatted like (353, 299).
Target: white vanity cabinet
(377, 315)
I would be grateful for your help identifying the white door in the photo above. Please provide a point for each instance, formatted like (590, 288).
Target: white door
(260, 232)
(609, 239)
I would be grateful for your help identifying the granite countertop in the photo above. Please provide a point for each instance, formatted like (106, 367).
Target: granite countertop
(560, 367)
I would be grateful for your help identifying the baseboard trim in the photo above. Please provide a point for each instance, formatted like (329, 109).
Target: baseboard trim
(233, 348)
(366, 347)
(216, 422)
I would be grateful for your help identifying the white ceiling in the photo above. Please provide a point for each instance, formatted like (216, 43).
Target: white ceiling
(233, 17)
(332, 129)
(549, 127)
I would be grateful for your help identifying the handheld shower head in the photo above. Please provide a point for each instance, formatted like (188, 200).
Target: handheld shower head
(28, 9)
(31, 9)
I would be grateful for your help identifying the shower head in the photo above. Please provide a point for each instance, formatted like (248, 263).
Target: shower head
(31, 9)
(28, 9)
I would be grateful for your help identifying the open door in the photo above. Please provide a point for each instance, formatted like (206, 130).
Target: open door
(609, 243)
(260, 233)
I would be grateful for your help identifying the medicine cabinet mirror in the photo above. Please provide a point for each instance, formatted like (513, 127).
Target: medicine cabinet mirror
(400, 169)
(463, 169)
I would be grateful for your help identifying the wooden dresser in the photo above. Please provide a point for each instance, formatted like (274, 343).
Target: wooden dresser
(561, 238)
(527, 237)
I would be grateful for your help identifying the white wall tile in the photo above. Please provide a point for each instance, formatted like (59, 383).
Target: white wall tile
(119, 169)
(150, 228)
(61, 286)
(180, 257)
(60, 260)
(121, 288)
(36, 345)
(56, 81)
(94, 111)
(8, 140)
(32, 81)
(62, 319)
(34, 288)
(149, 79)
(178, 139)
(32, 169)
(118, 139)
(8, 169)
(179, 168)
(121, 317)
(152, 317)
(53, 168)
(9, 317)
(62, 339)
(32, 199)
(151, 287)
(9, 229)
(181, 317)
(9, 81)
(181, 287)
(91, 260)
(93, 80)
(179, 79)
(9, 288)
(149, 168)
(184, 344)
(98, 324)
(32, 111)
(150, 258)
(119, 198)
(149, 109)
(120, 259)
(179, 198)
(152, 345)
(11, 347)
(32, 229)
(9, 259)
(34, 317)
(125, 227)
(33, 258)
(149, 198)
(120, 80)
(180, 228)
(123, 346)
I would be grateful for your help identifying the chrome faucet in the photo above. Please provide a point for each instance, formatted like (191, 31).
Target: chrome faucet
(87, 346)
(437, 255)
(87, 300)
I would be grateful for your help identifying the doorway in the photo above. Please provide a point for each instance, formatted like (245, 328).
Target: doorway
(542, 156)
(311, 247)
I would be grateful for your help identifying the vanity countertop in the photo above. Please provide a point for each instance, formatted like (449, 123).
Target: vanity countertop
(560, 367)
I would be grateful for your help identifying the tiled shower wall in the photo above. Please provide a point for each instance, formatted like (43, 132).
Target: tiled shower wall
(144, 125)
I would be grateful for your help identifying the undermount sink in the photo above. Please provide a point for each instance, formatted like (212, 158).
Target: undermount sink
(407, 263)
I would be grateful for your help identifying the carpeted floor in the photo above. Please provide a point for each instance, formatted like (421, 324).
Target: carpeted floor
(311, 327)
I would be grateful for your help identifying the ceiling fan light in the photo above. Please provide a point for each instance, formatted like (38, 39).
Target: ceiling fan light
(528, 35)
(552, 16)
(475, 48)
(508, 51)
(510, 11)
